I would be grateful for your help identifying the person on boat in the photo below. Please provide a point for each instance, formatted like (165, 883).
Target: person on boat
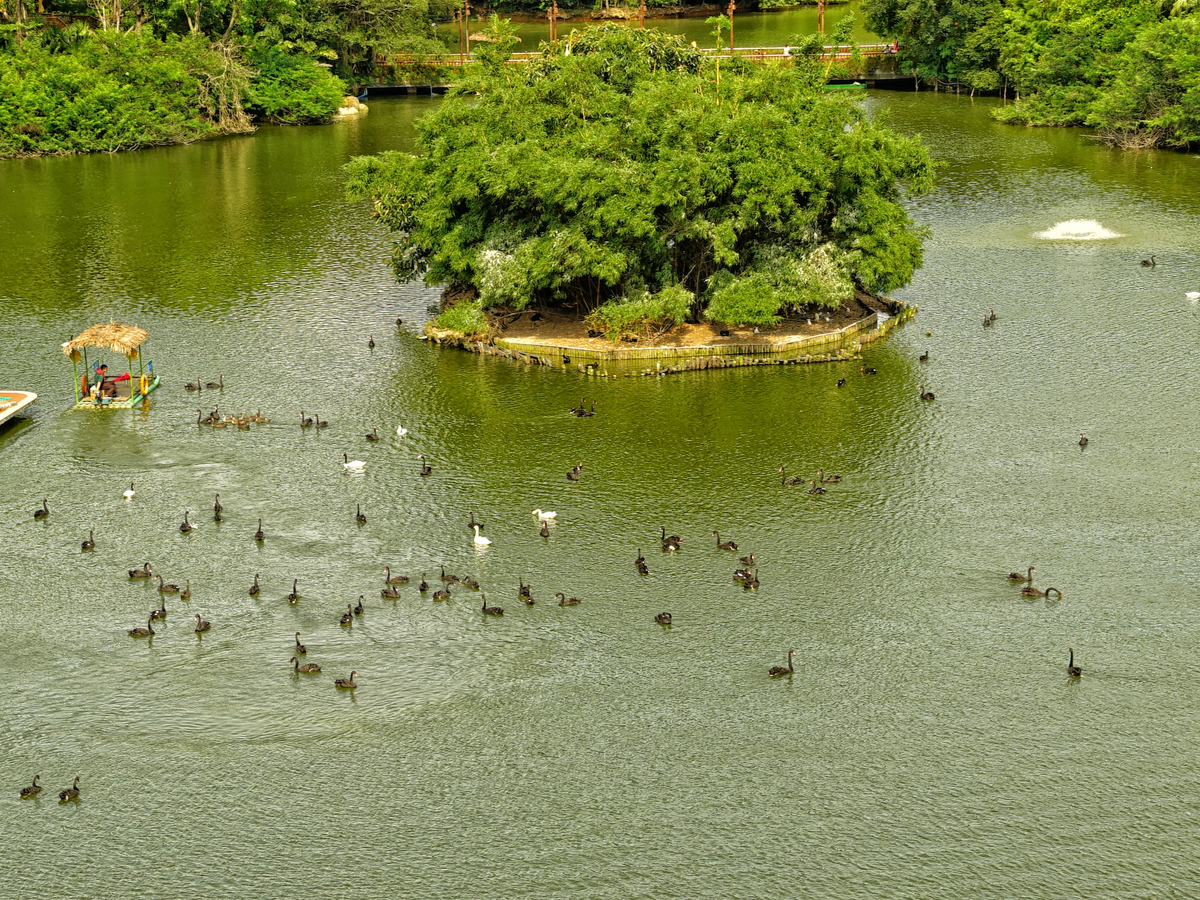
(108, 386)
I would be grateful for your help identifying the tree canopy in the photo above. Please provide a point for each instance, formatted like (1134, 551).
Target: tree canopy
(1130, 68)
(622, 176)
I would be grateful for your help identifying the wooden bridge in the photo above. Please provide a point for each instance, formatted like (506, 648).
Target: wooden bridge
(878, 64)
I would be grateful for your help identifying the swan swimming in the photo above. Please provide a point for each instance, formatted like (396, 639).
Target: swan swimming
(1193, 295)
(353, 465)
(128, 495)
(401, 430)
(480, 540)
(545, 515)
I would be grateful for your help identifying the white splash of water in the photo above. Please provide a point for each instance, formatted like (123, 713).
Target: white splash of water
(1077, 230)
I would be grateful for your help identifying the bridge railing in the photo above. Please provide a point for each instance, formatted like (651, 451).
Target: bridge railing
(756, 54)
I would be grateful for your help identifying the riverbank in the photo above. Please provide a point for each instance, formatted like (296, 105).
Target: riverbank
(550, 339)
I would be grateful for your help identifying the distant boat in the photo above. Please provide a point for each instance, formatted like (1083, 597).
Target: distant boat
(12, 402)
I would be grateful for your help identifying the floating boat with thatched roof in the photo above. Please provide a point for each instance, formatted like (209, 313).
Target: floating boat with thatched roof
(98, 388)
(12, 402)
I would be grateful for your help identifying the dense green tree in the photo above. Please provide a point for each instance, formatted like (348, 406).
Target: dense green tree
(613, 177)
(1123, 65)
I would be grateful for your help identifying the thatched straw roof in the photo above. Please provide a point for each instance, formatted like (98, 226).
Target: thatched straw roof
(118, 338)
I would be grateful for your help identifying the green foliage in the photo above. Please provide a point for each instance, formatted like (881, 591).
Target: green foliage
(465, 316)
(615, 181)
(292, 89)
(113, 92)
(1125, 66)
(668, 307)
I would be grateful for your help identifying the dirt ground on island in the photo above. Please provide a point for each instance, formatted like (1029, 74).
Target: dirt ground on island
(556, 329)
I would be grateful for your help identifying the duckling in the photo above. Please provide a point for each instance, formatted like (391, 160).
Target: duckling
(306, 669)
(348, 616)
(254, 587)
(389, 578)
(295, 594)
(441, 594)
(166, 588)
(868, 370)
(1083, 441)
(373, 436)
(261, 419)
(160, 614)
(544, 531)
(741, 574)
(724, 545)
(924, 357)
(144, 572)
(90, 543)
(358, 607)
(841, 382)
(300, 648)
(258, 535)
(663, 618)
(390, 593)
(359, 516)
(219, 384)
(567, 601)
(43, 512)
(148, 631)
(33, 790)
(305, 421)
(491, 610)
(186, 593)
(425, 470)
(423, 586)
(346, 684)
(71, 793)
(202, 625)
(219, 422)
(186, 527)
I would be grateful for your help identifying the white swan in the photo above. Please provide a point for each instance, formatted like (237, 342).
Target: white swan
(128, 495)
(545, 515)
(1193, 295)
(401, 430)
(480, 540)
(353, 465)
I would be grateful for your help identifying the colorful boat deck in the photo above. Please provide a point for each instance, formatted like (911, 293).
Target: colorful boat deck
(12, 402)
(122, 401)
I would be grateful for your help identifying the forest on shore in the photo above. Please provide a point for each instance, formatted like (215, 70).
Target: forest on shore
(124, 74)
(1128, 68)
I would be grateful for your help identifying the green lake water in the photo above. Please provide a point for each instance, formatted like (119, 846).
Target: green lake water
(929, 743)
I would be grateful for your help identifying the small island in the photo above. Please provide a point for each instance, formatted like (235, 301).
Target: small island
(624, 197)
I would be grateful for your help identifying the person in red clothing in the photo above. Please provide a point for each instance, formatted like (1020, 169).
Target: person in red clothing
(108, 386)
